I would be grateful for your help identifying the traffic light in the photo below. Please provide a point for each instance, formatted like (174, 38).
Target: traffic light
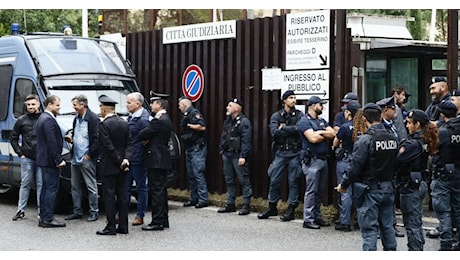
(99, 23)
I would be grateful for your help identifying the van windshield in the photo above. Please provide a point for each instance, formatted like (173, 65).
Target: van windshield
(58, 55)
(67, 89)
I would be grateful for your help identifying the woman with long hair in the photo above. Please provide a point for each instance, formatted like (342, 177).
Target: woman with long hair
(412, 160)
(359, 125)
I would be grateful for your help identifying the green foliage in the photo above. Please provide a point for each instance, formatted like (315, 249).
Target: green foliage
(46, 20)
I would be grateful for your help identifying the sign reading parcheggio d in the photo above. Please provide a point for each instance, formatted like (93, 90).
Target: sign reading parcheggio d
(193, 82)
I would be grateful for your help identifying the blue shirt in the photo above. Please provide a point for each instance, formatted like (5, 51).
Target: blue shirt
(80, 140)
(309, 122)
(345, 134)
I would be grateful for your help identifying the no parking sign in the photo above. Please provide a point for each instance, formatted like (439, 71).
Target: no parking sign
(193, 82)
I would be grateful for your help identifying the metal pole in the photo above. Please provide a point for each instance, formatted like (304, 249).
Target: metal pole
(433, 25)
(84, 22)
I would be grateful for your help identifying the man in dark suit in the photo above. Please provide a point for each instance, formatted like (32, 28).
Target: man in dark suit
(49, 159)
(113, 146)
(157, 160)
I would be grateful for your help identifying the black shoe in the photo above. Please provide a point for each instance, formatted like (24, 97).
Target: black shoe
(342, 227)
(337, 221)
(398, 233)
(93, 217)
(322, 223)
(166, 224)
(153, 227)
(122, 231)
(73, 216)
(310, 225)
(227, 208)
(289, 213)
(434, 233)
(270, 212)
(19, 215)
(201, 205)
(189, 204)
(245, 210)
(49, 224)
(105, 232)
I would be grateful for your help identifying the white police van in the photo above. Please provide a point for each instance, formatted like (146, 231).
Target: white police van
(64, 65)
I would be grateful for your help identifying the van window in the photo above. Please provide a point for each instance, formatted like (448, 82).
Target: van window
(24, 87)
(6, 73)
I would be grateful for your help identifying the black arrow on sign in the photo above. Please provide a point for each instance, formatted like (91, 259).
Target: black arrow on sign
(318, 94)
(323, 59)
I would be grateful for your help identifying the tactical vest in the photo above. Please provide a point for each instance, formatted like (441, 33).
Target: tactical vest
(289, 141)
(384, 147)
(454, 144)
(419, 164)
(232, 141)
(188, 135)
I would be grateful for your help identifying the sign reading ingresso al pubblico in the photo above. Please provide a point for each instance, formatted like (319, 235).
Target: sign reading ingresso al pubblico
(199, 32)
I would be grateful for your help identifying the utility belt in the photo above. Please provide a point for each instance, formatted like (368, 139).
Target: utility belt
(192, 144)
(342, 154)
(380, 186)
(411, 181)
(289, 147)
(309, 155)
(233, 144)
(444, 173)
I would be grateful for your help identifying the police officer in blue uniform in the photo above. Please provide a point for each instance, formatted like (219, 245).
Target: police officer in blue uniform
(193, 128)
(389, 114)
(315, 134)
(236, 148)
(339, 118)
(445, 184)
(439, 91)
(371, 174)
(287, 146)
(343, 143)
(411, 167)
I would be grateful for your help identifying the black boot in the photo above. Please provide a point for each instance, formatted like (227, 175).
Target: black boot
(289, 213)
(271, 211)
(245, 210)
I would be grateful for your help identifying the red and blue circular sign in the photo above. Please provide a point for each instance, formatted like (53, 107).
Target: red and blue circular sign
(193, 82)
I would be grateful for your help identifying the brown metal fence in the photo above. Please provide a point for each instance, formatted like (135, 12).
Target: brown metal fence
(231, 68)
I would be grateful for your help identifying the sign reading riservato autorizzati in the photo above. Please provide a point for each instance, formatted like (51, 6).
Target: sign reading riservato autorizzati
(308, 40)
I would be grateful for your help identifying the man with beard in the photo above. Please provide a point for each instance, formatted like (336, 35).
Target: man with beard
(286, 149)
(315, 134)
(439, 91)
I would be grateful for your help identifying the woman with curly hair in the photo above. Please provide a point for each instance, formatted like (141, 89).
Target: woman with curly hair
(412, 157)
(359, 125)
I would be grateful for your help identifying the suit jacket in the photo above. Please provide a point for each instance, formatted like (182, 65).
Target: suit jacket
(156, 153)
(49, 141)
(113, 144)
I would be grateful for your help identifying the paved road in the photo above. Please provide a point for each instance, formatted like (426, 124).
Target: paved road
(191, 230)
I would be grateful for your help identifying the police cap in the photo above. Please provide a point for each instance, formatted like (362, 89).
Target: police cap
(418, 116)
(372, 106)
(387, 102)
(438, 79)
(349, 97)
(353, 106)
(107, 101)
(447, 107)
(456, 92)
(237, 101)
(287, 94)
(156, 96)
(315, 100)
